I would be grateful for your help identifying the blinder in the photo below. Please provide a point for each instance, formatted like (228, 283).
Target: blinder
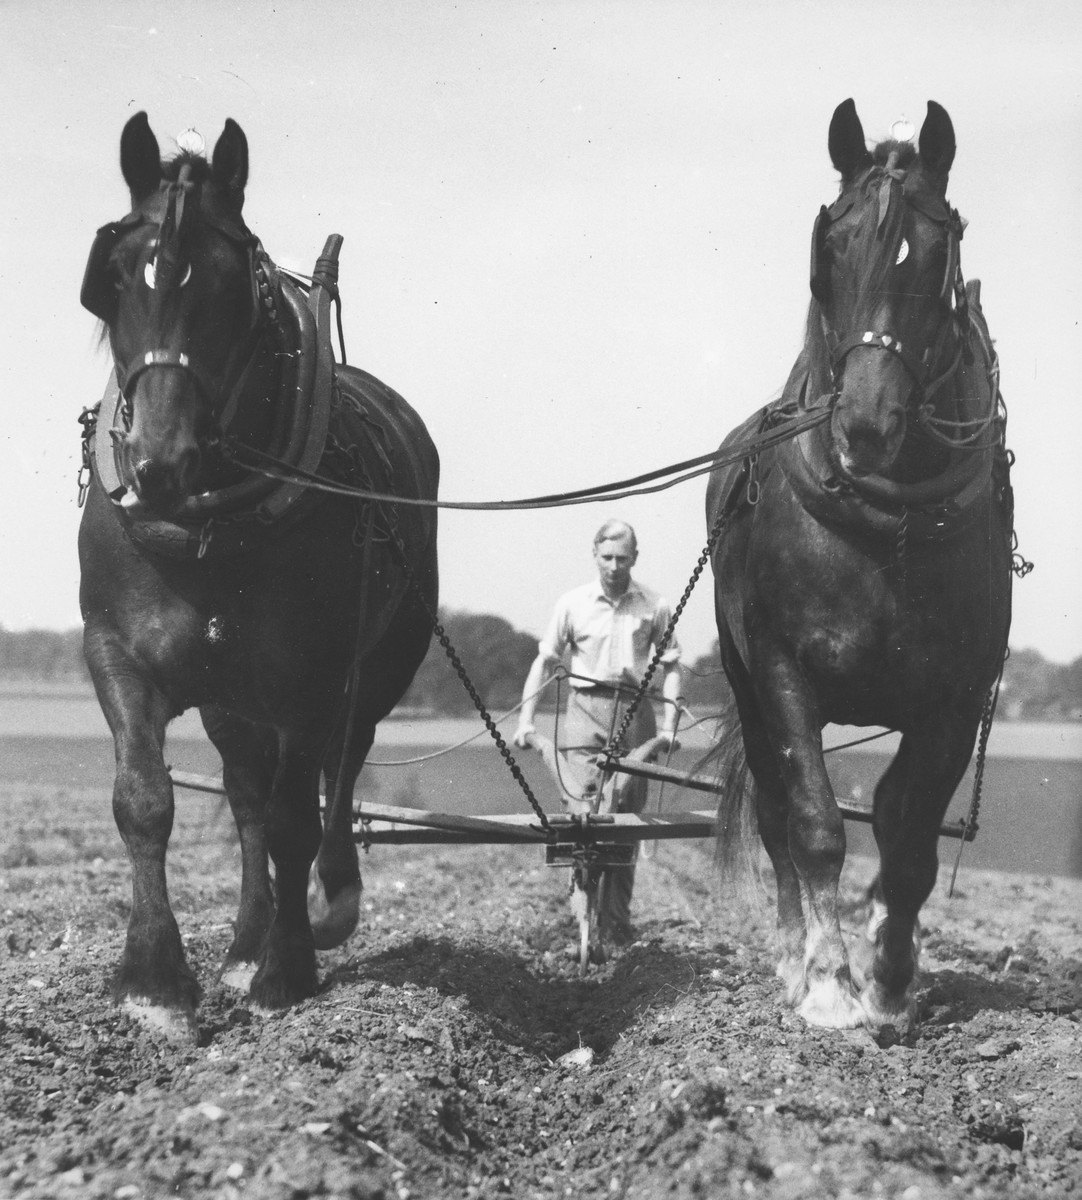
(820, 258)
(98, 294)
(819, 274)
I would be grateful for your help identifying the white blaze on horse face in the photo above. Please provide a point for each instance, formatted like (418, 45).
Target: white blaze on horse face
(150, 274)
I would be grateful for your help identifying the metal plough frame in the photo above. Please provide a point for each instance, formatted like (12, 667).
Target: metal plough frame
(388, 824)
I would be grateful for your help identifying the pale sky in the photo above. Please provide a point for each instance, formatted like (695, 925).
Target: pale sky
(576, 239)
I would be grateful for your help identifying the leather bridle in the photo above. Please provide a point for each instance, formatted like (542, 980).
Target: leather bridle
(181, 199)
(952, 295)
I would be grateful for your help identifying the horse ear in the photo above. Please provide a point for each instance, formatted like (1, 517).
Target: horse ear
(848, 151)
(230, 161)
(937, 145)
(140, 158)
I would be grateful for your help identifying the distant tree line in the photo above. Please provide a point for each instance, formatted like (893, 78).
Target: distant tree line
(1036, 690)
(494, 654)
(1033, 688)
(497, 656)
(42, 654)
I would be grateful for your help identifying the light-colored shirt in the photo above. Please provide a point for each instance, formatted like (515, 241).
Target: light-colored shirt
(609, 640)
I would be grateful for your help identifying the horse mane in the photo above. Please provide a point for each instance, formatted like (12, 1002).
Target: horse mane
(201, 169)
(816, 353)
(906, 152)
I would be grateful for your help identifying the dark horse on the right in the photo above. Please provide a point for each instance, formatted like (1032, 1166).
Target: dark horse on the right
(863, 568)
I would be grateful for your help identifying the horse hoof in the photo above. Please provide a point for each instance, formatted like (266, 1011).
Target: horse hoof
(333, 921)
(176, 1025)
(880, 1009)
(276, 989)
(830, 1004)
(238, 975)
(790, 970)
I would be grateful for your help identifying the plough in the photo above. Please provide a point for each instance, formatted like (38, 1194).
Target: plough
(591, 843)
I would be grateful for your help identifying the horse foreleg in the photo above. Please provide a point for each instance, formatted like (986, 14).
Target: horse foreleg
(910, 802)
(816, 841)
(248, 759)
(153, 981)
(287, 965)
(771, 810)
(334, 887)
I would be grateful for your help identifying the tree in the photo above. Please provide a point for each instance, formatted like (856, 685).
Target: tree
(494, 654)
(42, 654)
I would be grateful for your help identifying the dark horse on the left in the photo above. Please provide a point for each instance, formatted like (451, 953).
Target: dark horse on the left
(293, 619)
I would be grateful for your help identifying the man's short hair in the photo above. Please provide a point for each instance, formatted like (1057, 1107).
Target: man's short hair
(616, 529)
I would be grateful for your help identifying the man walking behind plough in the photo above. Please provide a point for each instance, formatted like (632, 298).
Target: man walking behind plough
(610, 627)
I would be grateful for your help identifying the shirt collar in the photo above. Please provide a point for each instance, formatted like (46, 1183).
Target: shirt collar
(633, 589)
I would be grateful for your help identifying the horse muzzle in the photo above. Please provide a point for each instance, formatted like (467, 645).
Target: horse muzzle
(159, 481)
(863, 448)
(869, 420)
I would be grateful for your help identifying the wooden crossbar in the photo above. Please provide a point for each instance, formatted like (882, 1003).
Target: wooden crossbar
(392, 825)
(379, 823)
(851, 812)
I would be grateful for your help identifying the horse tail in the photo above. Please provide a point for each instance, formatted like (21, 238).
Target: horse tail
(736, 846)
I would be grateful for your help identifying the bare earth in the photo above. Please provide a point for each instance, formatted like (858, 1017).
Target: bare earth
(452, 1052)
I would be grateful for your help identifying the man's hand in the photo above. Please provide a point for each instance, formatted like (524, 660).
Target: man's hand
(523, 734)
(671, 744)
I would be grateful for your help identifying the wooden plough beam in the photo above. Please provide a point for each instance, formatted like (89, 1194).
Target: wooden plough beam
(386, 824)
(851, 812)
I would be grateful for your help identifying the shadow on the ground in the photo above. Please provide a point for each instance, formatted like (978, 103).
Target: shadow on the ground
(541, 1010)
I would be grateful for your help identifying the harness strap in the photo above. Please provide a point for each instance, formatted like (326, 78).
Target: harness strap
(170, 360)
(917, 368)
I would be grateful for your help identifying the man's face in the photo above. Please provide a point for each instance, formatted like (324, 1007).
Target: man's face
(615, 558)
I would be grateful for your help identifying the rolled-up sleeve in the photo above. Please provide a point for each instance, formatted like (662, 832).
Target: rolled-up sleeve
(557, 635)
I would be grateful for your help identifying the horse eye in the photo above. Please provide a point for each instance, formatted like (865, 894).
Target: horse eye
(903, 253)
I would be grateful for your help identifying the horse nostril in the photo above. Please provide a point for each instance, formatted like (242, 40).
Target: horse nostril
(188, 466)
(149, 476)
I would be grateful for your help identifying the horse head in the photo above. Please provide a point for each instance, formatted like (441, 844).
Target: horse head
(885, 279)
(174, 283)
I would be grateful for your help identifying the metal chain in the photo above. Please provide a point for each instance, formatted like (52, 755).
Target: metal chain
(88, 419)
(901, 546)
(982, 748)
(969, 825)
(1020, 565)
